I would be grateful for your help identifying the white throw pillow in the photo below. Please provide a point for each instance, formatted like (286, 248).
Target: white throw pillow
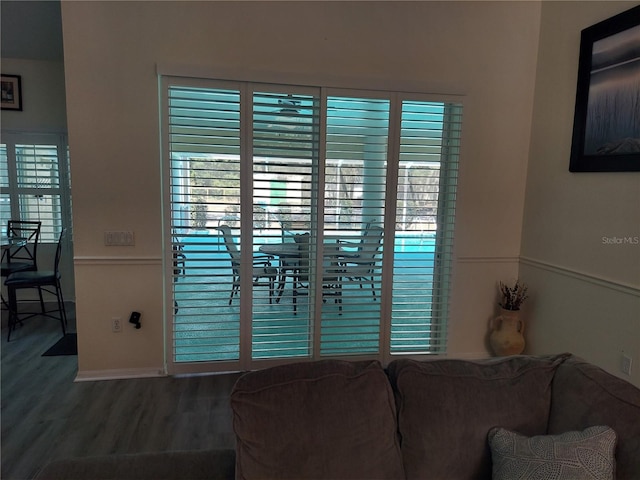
(588, 454)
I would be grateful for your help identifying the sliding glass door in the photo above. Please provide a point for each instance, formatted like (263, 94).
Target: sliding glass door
(305, 223)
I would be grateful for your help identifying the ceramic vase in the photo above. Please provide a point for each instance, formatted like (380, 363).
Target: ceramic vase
(506, 333)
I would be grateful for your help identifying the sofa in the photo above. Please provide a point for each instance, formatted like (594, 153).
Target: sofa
(511, 417)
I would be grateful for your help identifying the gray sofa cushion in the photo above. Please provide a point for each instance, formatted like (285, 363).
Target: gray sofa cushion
(197, 465)
(327, 419)
(585, 395)
(447, 407)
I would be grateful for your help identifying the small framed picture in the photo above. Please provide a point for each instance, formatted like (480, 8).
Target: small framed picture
(606, 125)
(11, 91)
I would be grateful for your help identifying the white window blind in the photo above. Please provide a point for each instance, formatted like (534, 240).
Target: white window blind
(35, 183)
(204, 139)
(5, 197)
(301, 181)
(427, 183)
(357, 139)
(285, 159)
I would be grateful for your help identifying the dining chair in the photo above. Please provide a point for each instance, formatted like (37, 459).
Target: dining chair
(20, 255)
(262, 267)
(361, 264)
(43, 280)
(24, 255)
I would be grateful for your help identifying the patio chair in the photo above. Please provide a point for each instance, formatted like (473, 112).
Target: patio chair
(361, 264)
(179, 260)
(43, 280)
(331, 272)
(289, 266)
(262, 267)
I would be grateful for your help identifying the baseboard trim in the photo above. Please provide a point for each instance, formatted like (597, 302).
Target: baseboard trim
(118, 374)
(582, 276)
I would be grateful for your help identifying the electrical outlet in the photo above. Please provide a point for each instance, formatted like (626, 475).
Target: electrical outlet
(625, 365)
(116, 324)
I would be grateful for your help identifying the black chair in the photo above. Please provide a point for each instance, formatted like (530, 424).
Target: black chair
(22, 255)
(262, 267)
(43, 280)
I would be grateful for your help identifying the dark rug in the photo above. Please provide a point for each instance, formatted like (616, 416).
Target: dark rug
(67, 345)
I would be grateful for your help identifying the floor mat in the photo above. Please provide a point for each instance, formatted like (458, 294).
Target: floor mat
(67, 345)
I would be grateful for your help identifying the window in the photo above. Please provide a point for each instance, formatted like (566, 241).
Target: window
(35, 182)
(364, 183)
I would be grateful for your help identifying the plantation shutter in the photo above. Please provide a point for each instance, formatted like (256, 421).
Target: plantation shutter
(39, 188)
(285, 153)
(354, 210)
(31, 185)
(273, 164)
(204, 144)
(427, 183)
(5, 197)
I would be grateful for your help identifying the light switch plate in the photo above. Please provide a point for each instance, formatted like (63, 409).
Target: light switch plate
(119, 238)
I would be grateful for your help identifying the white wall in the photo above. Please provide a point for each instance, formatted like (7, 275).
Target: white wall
(485, 51)
(586, 292)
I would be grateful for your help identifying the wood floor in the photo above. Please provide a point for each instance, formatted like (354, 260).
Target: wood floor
(45, 415)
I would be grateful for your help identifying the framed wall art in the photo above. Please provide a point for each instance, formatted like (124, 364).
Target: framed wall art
(11, 92)
(606, 125)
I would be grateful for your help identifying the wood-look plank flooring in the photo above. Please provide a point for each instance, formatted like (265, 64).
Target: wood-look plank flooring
(45, 415)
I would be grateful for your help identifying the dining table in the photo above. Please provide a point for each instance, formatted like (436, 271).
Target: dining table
(288, 255)
(8, 243)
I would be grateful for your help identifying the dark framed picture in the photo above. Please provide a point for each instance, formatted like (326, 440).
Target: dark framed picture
(11, 92)
(606, 125)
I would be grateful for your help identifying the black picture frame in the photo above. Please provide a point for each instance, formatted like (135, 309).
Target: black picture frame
(11, 92)
(606, 125)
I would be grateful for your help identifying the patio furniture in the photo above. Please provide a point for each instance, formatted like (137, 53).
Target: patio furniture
(288, 256)
(331, 271)
(360, 265)
(293, 227)
(179, 259)
(294, 262)
(42, 280)
(262, 267)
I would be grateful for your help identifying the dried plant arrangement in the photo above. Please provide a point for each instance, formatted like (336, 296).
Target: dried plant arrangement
(513, 296)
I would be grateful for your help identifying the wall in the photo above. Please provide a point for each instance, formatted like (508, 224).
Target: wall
(43, 111)
(485, 51)
(585, 290)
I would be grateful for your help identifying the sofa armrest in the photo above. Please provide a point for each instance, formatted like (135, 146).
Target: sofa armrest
(584, 395)
(196, 465)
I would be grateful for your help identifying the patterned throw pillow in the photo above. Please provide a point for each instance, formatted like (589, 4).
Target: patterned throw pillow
(588, 454)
